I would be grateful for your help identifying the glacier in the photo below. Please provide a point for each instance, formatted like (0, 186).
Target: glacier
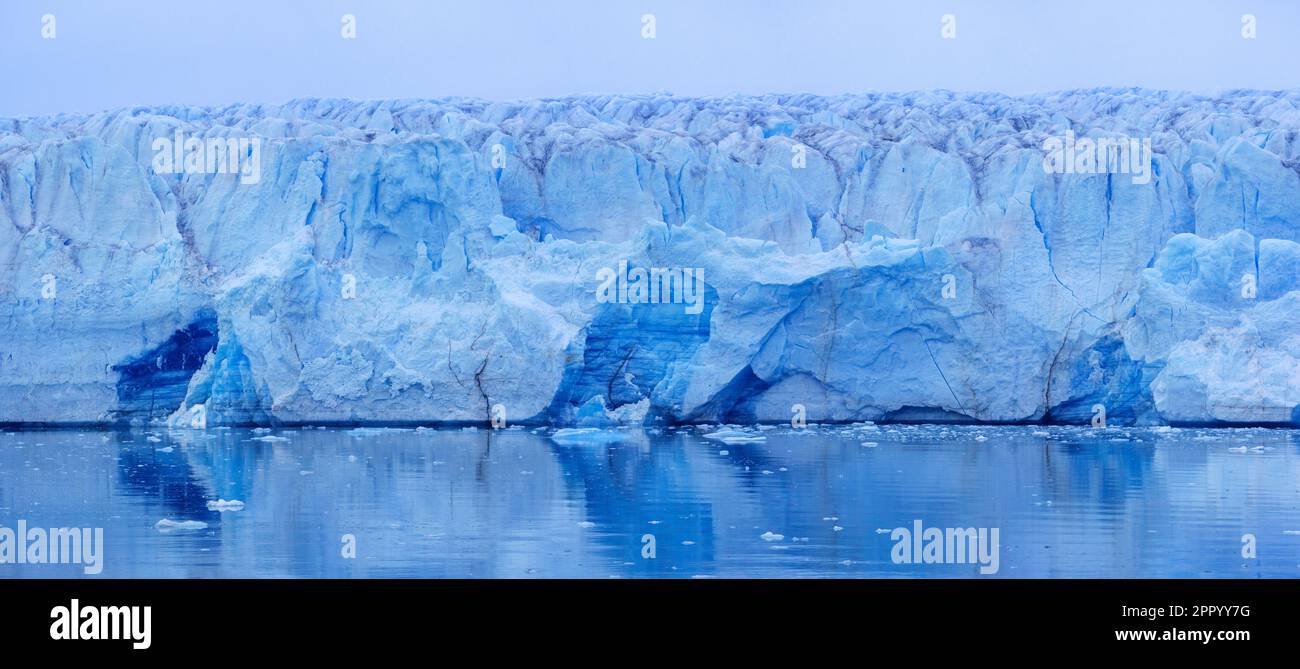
(882, 257)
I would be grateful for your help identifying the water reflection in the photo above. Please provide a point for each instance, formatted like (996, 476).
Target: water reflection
(1069, 502)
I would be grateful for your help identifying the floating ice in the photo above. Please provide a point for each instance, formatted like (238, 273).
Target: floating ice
(225, 505)
(588, 436)
(375, 431)
(736, 437)
(169, 525)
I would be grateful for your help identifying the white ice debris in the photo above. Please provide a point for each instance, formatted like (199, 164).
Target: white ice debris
(225, 505)
(588, 436)
(736, 437)
(169, 525)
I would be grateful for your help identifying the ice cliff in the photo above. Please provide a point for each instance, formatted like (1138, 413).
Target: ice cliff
(868, 257)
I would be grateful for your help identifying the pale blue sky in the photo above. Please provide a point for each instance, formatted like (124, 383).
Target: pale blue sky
(110, 54)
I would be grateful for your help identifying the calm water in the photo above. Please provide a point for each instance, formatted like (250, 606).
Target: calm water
(1068, 502)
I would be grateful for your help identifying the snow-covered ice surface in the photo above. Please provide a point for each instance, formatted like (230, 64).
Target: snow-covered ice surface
(1068, 501)
(424, 261)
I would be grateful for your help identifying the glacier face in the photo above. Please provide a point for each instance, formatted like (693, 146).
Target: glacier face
(869, 257)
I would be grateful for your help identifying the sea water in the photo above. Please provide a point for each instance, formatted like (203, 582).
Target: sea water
(697, 501)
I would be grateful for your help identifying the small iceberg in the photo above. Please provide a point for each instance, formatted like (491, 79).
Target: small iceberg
(771, 536)
(375, 431)
(583, 436)
(735, 437)
(226, 505)
(270, 438)
(169, 525)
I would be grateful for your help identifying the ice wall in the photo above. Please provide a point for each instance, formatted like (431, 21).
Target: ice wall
(892, 256)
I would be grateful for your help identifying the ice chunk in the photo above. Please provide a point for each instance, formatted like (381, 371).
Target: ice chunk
(736, 437)
(169, 525)
(588, 436)
(225, 505)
